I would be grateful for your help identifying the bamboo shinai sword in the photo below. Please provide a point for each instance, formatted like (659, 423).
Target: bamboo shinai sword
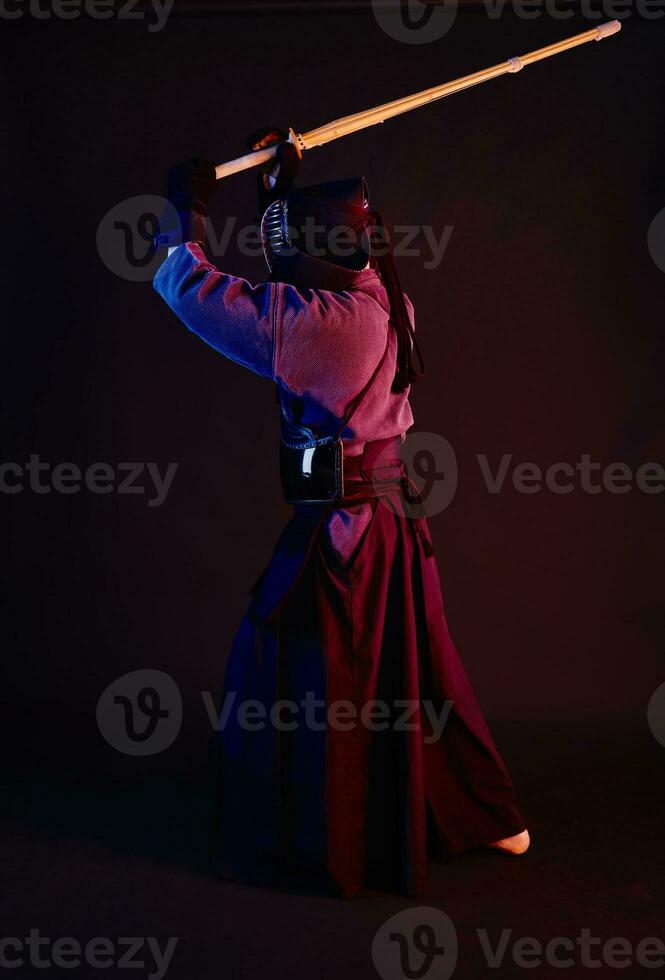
(371, 117)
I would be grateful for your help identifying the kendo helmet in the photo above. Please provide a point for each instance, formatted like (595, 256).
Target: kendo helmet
(319, 236)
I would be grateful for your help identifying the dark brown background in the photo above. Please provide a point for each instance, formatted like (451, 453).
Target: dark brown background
(543, 334)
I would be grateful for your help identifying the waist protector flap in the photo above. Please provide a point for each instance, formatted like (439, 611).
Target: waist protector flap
(312, 472)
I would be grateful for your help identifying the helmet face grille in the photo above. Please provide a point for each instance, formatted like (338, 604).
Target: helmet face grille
(275, 231)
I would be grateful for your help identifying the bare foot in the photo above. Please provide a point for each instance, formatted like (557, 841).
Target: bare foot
(518, 844)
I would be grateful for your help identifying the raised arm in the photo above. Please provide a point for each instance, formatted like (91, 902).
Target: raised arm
(316, 343)
(234, 317)
(230, 314)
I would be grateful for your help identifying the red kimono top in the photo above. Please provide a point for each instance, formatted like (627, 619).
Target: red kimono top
(319, 346)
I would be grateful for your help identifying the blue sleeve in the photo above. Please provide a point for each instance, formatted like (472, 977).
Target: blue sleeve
(228, 313)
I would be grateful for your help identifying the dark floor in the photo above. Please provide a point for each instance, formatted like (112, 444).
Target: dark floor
(99, 845)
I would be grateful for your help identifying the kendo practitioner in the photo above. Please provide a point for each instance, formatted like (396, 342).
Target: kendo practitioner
(348, 784)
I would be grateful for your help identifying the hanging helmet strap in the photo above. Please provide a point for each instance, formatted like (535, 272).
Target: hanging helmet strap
(407, 345)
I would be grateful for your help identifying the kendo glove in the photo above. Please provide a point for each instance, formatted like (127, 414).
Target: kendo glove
(191, 185)
(276, 177)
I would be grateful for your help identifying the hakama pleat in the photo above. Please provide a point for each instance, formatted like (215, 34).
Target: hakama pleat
(358, 788)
